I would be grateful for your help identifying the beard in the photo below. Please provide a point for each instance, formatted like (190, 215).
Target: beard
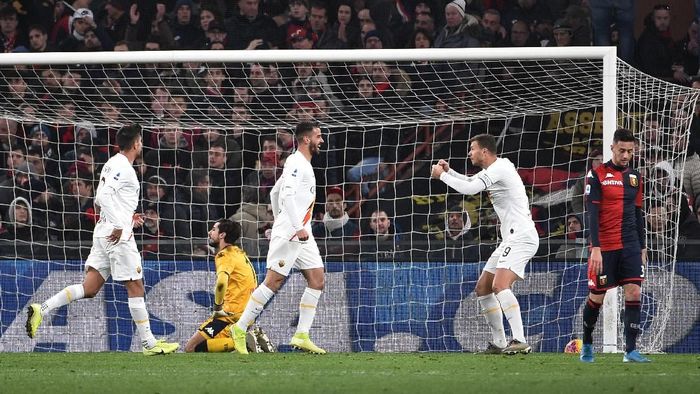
(315, 149)
(213, 243)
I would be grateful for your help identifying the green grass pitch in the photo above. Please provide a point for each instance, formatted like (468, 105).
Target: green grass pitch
(343, 373)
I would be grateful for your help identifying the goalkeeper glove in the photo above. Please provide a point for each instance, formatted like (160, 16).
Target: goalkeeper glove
(219, 312)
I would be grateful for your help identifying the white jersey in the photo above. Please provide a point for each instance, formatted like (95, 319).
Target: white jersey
(293, 197)
(117, 197)
(506, 192)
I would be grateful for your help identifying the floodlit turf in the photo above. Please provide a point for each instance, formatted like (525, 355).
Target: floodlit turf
(353, 373)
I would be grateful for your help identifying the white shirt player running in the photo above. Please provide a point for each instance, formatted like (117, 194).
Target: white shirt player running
(506, 192)
(293, 197)
(117, 196)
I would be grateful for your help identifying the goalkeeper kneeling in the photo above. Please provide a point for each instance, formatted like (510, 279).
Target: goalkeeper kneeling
(235, 282)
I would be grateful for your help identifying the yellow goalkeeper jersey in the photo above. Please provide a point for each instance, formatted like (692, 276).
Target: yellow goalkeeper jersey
(241, 278)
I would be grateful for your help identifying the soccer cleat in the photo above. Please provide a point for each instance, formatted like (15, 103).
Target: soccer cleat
(301, 341)
(251, 342)
(515, 347)
(34, 319)
(634, 357)
(239, 339)
(587, 353)
(263, 341)
(492, 349)
(161, 347)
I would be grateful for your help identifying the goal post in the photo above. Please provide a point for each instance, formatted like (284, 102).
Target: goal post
(386, 116)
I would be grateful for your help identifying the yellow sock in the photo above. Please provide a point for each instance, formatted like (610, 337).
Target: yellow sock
(219, 345)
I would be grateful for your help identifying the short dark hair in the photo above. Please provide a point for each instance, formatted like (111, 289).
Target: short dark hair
(485, 141)
(623, 135)
(127, 136)
(231, 228)
(303, 129)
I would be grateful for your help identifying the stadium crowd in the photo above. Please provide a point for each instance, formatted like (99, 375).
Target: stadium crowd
(193, 177)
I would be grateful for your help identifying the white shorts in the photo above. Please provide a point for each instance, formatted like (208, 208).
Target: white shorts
(122, 261)
(513, 254)
(284, 255)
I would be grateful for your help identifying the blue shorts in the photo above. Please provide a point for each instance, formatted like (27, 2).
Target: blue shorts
(620, 267)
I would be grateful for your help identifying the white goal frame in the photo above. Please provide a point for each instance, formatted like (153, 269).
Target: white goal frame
(607, 54)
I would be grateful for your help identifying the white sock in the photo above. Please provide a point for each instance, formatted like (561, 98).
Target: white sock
(137, 307)
(63, 297)
(255, 306)
(491, 310)
(511, 309)
(307, 309)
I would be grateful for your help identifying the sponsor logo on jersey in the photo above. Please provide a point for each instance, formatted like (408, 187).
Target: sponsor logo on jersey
(138, 269)
(633, 180)
(281, 263)
(209, 331)
(590, 174)
(609, 175)
(588, 190)
(603, 280)
(116, 177)
(294, 174)
(611, 182)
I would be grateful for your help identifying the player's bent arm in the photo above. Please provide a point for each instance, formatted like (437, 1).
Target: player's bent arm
(288, 197)
(460, 176)
(105, 199)
(220, 289)
(464, 186)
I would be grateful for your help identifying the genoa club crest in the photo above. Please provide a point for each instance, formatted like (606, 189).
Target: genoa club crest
(633, 180)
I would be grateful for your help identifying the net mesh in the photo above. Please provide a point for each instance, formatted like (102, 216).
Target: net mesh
(215, 139)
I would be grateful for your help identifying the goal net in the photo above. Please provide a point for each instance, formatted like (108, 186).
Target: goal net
(402, 252)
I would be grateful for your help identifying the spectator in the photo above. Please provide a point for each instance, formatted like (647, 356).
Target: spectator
(173, 214)
(80, 23)
(575, 240)
(256, 223)
(173, 154)
(79, 216)
(493, 31)
(562, 33)
(654, 53)
(301, 39)
(207, 15)
(451, 239)
(620, 13)
(687, 50)
(151, 233)
(159, 30)
(19, 223)
(425, 21)
(520, 35)
(39, 39)
(185, 29)
(11, 37)
(578, 18)
(258, 184)
(346, 28)
(298, 20)
(379, 240)
(216, 32)
(202, 211)
(225, 181)
(456, 32)
(335, 223)
(318, 22)
(251, 29)
(115, 19)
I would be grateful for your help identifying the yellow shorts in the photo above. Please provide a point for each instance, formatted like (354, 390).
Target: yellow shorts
(217, 327)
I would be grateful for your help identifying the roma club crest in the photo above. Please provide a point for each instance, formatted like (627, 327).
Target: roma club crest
(633, 180)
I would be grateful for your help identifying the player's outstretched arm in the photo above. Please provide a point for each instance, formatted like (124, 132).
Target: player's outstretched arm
(465, 186)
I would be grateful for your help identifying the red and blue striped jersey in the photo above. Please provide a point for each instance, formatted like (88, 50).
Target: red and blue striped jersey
(614, 203)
